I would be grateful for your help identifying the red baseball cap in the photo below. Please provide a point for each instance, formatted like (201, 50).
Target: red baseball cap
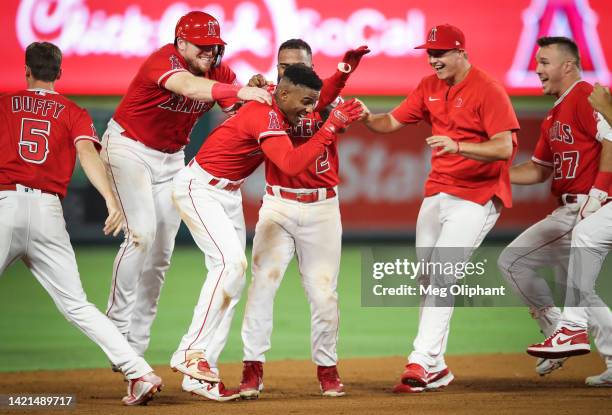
(444, 37)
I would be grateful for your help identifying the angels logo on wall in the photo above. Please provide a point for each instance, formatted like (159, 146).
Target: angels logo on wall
(574, 19)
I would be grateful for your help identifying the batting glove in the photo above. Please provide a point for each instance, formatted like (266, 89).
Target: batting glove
(593, 202)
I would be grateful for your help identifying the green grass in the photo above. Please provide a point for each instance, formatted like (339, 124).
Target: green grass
(33, 334)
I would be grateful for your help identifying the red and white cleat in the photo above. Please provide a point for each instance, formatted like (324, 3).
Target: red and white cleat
(435, 381)
(564, 342)
(213, 391)
(197, 368)
(141, 390)
(330, 382)
(252, 380)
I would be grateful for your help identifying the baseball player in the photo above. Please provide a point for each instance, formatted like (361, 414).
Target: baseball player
(591, 242)
(299, 215)
(41, 134)
(568, 150)
(474, 140)
(207, 194)
(143, 151)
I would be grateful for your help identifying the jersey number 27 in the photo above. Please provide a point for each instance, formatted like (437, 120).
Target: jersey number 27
(34, 140)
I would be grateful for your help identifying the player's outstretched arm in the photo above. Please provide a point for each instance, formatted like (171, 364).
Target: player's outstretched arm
(293, 160)
(203, 89)
(96, 173)
(381, 123)
(529, 172)
(333, 85)
(499, 147)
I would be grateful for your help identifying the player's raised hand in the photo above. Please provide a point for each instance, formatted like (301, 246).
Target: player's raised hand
(259, 81)
(114, 222)
(600, 98)
(351, 59)
(444, 144)
(249, 93)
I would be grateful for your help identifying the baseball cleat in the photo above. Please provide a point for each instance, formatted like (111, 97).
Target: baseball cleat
(329, 381)
(197, 368)
(603, 380)
(547, 366)
(252, 380)
(414, 375)
(141, 390)
(564, 342)
(435, 381)
(213, 391)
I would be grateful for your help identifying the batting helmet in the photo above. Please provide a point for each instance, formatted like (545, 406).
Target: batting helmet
(201, 29)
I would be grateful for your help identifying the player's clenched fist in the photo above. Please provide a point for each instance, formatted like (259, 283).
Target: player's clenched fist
(344, 114)
(249, 93)
(259, 81)
(443, 144)
(600, 98)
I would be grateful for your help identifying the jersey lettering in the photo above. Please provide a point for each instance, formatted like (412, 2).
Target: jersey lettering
(273, 123)
(36, 106)
(179, 103)
(561, 132)
(34, 140)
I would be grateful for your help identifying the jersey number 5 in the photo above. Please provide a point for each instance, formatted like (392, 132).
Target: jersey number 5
(565, 162)
(34, 140)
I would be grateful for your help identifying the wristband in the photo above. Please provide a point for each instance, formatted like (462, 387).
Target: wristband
(603, 180)
(344, 67)
(458, 148)
(220, 90)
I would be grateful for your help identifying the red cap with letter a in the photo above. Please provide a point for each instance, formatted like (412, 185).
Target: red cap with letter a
(444, 37)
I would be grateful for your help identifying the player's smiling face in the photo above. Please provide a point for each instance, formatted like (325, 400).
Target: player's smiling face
(288, 57)
(446, 63)
(552, 69)
(199, 58)
(295, 101)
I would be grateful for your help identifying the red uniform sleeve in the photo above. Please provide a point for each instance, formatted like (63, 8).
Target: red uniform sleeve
(224, 74)
(542, 154)
(332, 87)
(496, 110)
(161, 65)
(83, 129)
(412, 109)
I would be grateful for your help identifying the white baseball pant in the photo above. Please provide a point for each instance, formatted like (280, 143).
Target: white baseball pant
(591, 242)
(32, 228)
(313, 231)
(546, 244)
(142, 180)
(215, 219)
(456, 226)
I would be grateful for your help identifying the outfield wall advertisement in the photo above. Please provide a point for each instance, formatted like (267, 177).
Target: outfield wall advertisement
(104, 42)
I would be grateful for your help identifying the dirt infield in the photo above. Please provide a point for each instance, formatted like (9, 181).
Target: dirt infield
(485, 384)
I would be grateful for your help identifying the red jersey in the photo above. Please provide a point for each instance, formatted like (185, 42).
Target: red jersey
(38, 136)
(232, 150)
(157, 117)
(473, 111)
(567, 142)
(323, 173)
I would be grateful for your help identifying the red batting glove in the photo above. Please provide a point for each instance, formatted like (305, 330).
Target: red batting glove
(344, 114)
(351, 59)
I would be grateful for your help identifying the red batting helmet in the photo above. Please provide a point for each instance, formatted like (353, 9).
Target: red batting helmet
(201, 29)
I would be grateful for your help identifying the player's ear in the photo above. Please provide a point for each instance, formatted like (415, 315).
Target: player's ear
(59, 74)
(28, 71)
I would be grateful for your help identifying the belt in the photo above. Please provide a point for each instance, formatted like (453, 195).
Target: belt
(167, 151)
(231, 186)
(13, 187)
(570, 198)
(302, 197)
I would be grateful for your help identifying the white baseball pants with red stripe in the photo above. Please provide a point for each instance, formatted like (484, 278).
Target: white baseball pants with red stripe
(458, 227)
(142, 180)
(591, 242)
(215, 219)
(313, 232)
(32, 228)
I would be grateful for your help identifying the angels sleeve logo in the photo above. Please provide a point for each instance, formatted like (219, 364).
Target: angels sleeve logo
(175, 63)
(274, 123)
(571, 18)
